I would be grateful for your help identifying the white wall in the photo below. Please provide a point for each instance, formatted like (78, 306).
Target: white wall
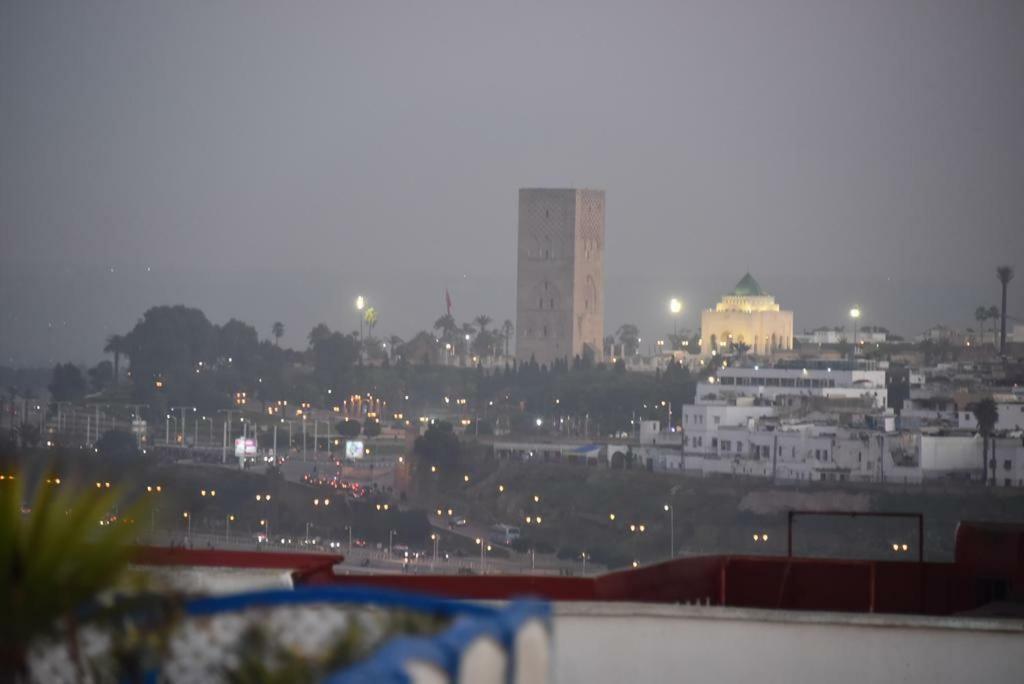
(944, 454)
(640, 643)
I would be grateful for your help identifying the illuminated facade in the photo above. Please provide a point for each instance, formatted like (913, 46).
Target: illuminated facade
(748, 315)
(560, 275)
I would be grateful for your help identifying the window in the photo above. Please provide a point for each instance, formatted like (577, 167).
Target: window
(717, 419)
(714, 442)
(1007, 464)
(726, 445)
(545, 331)
(551, 303)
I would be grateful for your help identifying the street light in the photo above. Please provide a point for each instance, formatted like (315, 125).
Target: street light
(671, 530)
(188, 520)
(360, 305)
(854, 314)
(483, 548)
(675, 306)
(227, 528)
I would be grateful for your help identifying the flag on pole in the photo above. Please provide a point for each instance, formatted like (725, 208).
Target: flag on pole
(448, 301)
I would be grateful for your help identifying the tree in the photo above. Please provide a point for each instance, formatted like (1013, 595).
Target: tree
(319, 333)
(237, 341)
(278, 331)
(169, 343)
(507, 329)
(993, 313)
(333, 358)
(371, 320)
(119, 446)
(447, 326)
(987, 414)
(349, 428)
(1005, 275)
(438, 447)
(67, 383)
(115, 345)
(981, 315)
(629, 337)
(482, 321)
(101, 375)
(371, 428)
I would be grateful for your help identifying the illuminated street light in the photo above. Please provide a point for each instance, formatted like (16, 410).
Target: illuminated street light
(854, 314)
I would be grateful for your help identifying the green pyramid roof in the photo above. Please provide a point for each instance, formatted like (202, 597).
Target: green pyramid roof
(748, 287)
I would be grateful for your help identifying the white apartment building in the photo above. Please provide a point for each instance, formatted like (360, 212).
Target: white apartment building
(769, 383)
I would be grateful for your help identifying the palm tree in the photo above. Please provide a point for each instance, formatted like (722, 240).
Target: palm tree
(981, 315)
(1005, 275)
(447, 326)
(115, 345)
(993, 313)
(482, 321)
(277, 330)
(507, 329)
(987, 414)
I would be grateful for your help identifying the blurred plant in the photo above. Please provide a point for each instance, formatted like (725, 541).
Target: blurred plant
(54, 558)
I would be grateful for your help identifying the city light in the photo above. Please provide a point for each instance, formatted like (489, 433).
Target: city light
(675, 305)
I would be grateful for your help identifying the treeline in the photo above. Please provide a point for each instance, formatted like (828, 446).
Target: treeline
(174, 356)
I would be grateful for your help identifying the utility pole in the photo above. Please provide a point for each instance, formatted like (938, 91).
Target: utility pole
(227, 431)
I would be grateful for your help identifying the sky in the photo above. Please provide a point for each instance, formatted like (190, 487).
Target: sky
(270, 161)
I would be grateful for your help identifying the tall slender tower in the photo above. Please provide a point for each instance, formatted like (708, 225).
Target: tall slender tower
(560, 275)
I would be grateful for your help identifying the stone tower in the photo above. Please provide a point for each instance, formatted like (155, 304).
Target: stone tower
(560, 275)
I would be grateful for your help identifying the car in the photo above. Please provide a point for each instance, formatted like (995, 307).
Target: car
(458, 521)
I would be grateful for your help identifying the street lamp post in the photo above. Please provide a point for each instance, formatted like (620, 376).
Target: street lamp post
(227, 528)
(675, 306)
(484, 547)
(671, 530)
(391, 538)
(360, 305)
(188, 521)
(435, 537)
(854, 314)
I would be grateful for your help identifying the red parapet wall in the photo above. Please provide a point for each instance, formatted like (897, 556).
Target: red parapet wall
(480, 587)
(216, 558)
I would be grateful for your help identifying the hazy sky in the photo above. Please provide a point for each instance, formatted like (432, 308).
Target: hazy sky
(272, 160)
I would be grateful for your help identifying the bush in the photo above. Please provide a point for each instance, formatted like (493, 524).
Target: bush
(349, 428)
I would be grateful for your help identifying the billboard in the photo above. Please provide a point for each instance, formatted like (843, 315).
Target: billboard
(245, 447)
(353, 449)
